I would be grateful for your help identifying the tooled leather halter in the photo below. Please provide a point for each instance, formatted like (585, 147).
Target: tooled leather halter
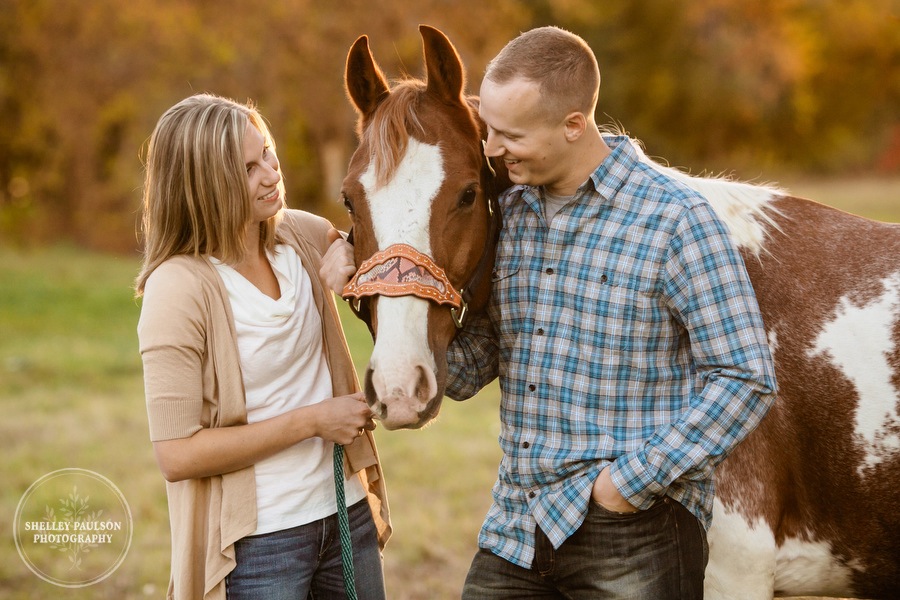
(401, 270)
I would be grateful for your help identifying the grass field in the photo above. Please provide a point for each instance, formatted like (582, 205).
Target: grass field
(71, 396)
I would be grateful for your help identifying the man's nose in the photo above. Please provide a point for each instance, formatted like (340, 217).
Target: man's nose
(492, 146)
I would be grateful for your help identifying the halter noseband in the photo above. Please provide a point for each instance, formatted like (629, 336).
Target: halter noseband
(401, 270)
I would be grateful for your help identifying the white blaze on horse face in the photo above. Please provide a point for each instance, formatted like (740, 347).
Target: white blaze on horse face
(401, 210)
(402, 364)
(858, 341)
(401, 213)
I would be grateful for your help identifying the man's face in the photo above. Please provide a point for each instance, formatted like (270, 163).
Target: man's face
(520, 133)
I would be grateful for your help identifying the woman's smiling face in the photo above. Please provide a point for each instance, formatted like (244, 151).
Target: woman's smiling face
(263, 175)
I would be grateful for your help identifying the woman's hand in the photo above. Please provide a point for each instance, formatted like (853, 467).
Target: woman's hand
(343, 419)
(606, 495)
(213, 451)
(338, 263)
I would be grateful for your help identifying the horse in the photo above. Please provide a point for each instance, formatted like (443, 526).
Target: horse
(808, 504)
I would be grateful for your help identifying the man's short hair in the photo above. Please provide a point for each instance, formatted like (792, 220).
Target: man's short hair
(560, 62)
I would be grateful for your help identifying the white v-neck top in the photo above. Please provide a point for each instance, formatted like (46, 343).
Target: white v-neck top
(284, 367)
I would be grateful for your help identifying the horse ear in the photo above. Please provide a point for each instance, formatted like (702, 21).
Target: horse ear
(446, 77)
(365, 82)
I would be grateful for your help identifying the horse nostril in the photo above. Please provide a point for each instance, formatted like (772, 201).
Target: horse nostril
(378, 407)
(426, 385)
(379, 410)
(371, 394)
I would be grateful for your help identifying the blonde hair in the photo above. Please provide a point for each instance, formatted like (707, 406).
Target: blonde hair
(560, 62)
(196, 200)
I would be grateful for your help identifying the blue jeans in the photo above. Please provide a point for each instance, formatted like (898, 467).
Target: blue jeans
(305, 562)
(656, 554)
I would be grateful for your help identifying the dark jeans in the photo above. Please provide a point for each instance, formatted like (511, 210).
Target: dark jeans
(657, 554)
(305, 562)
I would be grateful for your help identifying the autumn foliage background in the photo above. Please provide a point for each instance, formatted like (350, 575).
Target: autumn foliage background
(754, 88)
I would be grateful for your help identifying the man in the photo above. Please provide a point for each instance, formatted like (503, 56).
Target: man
(630, 349)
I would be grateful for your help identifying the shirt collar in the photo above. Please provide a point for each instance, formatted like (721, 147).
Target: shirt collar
(612, 174)
(606, 180)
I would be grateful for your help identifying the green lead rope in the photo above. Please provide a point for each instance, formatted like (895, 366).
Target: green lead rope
(344, 523)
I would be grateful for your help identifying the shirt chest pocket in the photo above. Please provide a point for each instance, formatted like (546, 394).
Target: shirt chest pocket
(506, 282)
(511, 295)
(618, 311)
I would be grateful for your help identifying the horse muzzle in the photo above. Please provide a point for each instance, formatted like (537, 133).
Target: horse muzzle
(408, 406)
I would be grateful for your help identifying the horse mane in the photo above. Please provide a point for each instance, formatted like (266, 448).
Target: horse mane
(745, 208)
(390, 126)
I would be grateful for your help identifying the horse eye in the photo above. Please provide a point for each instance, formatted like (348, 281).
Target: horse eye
(467, 198)
(348, 204)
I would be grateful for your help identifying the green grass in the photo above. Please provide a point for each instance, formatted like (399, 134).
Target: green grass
(875, 198)
(71, 396)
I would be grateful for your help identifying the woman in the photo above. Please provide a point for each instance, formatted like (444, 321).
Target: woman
(248, 378)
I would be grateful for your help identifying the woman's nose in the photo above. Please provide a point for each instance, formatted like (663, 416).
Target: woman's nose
(273, 174)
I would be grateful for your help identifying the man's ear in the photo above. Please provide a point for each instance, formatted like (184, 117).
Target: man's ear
(576, 123)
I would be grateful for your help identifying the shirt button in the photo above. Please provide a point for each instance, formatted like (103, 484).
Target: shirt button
(531, 494)
(525, 444)
(549, 271)
(540, 331)
(604, 279)
(531, 387)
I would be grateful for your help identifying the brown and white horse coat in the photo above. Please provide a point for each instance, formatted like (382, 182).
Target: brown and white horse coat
(809, 503)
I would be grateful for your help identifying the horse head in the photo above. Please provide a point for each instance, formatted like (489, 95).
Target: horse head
(422, 200)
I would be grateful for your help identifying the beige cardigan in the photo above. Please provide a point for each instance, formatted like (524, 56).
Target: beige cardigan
(192, 379)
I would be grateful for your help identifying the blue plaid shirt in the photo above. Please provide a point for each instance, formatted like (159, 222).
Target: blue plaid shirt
(625, 333)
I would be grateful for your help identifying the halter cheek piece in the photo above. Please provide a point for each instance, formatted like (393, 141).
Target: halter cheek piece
(401, 270)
